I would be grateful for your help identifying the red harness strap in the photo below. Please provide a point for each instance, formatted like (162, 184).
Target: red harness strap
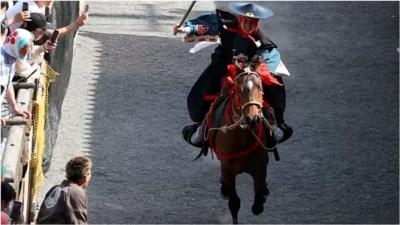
(209, 97)
(254, 147)
(210, 121)
(229, 119)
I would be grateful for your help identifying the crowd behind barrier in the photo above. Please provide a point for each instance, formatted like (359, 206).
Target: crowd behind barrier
(27, 40)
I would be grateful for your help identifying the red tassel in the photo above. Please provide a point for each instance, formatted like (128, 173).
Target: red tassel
(266, 105)
(266, 76)
(232, 70)
(229, 81)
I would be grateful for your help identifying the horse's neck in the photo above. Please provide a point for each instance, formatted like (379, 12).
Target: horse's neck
(236, 138)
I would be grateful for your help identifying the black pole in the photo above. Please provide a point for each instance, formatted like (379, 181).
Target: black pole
(186, 15)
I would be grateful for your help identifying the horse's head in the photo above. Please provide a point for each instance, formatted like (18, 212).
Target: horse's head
(249, 93)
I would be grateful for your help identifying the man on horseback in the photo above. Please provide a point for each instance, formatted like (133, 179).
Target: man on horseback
(240, 35)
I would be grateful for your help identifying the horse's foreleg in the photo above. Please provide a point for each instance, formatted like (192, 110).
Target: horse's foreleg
(234, 201)
(259, 197)
(266, 189)
(223, 189)
(228, 187)
(260, 188)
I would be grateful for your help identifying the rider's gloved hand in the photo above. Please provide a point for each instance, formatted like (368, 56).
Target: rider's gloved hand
(180, 29)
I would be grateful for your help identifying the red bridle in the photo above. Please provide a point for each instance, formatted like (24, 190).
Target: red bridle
(233, 85)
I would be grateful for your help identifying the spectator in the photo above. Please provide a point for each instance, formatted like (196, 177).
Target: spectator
(33, 6)
(37, 26)
(39, 7)
(67, 203)
(7, 196)
(6, 22)
(17, 46)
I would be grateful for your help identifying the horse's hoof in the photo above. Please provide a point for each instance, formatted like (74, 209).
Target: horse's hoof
(224, 193)
(257, 209)
(225, 197)
(235, 221)
(258, 206)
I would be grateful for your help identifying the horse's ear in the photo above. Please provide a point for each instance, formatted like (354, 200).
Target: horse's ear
(232, 70)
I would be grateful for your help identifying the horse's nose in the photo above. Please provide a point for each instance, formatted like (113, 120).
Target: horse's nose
(249, 120)
(252, 122)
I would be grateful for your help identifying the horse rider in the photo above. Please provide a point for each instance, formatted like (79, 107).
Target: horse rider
(240, 34)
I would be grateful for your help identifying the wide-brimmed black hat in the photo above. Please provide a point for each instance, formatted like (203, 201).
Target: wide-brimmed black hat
(251, 10)
(38, 20)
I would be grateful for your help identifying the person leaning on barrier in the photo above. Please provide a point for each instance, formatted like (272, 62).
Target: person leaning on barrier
(17, 45)
(67, 203)
(38, 27)
(39, 7)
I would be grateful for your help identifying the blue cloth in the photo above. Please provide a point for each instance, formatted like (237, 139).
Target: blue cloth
(209, 21)
(272, 58)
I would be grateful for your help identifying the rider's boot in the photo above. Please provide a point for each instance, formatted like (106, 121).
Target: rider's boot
(287, 132)
(281, 132)
(194, 134)
(277, 133)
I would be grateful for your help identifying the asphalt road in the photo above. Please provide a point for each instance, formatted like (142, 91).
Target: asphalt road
(126, 106)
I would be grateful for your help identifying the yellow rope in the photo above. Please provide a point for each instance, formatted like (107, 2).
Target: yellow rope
(39, 112)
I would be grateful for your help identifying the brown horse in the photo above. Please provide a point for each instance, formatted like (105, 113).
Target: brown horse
(239, 139)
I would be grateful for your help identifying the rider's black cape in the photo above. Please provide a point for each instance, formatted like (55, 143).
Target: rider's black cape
(209, 82)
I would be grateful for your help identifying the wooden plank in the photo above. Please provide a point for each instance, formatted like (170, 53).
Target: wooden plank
(21, 199)
(23, 85)
(12, 154)
(17, 121)
(15, 143)
(27, 178)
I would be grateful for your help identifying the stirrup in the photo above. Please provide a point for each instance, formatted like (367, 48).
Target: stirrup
(187, 133)
(287, 132)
